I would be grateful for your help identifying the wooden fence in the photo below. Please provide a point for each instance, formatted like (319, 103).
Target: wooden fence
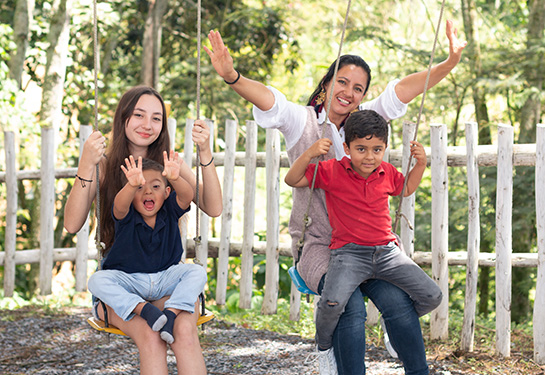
(504, 155)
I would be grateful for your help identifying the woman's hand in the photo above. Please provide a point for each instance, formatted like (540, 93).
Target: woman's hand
(456, 46)
(220, 57)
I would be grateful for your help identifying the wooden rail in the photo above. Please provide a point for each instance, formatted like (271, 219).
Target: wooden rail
(505, 155)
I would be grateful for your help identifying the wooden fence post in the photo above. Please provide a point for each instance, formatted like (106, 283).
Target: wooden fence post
(247, 256)
(273, 198)
(504, 210)
(539, 303)
(82, 244)
(439, 227)
(473, 237)
(47, 209)
(227, 215)
(11, 214)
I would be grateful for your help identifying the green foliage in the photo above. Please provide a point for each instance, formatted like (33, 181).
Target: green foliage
(12, 100)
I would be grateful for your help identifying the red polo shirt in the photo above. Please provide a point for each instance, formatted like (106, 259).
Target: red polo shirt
(358, 208)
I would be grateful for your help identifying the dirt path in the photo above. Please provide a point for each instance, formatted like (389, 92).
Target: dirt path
(35, 341)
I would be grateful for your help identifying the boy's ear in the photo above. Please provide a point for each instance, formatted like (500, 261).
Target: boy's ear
(167, 191)
(346, 148)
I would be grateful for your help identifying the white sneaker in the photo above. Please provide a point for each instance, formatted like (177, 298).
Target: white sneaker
(326, 360)
(387, 342)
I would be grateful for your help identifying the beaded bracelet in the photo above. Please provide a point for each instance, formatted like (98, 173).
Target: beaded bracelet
(83, 181)
(206, 165)
(235, 81)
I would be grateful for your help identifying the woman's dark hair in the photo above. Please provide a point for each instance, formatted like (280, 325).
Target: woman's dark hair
(118, 150)
(365, 124)
(343, 61)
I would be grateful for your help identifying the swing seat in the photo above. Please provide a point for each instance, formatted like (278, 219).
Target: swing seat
(299, 282)
(100, 325)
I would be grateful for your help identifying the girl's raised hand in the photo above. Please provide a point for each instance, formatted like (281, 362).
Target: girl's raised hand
(172, 165)
(133, 171)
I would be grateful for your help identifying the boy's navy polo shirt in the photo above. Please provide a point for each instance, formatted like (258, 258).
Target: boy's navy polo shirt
(358, 208)
(139, 248)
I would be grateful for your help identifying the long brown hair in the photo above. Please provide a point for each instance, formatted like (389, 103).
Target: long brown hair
(118, 150)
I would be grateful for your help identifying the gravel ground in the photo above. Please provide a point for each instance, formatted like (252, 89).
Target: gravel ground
(40, 342)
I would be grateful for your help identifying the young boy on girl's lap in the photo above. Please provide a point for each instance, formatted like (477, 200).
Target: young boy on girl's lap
(362, 245)
(144, 261)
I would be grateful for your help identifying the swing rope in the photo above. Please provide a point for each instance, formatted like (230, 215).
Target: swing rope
(197, 238)
(432, 56)
(306, 219)
(98, 243)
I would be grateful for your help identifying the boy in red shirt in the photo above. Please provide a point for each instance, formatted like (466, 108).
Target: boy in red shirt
(363, 246)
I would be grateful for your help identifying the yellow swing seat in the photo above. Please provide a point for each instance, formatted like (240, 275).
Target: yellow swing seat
(100, 325)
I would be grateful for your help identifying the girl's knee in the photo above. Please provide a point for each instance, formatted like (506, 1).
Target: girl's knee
(146, 338)
(94, 282)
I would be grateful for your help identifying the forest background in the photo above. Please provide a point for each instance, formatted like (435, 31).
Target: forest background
(46, 75)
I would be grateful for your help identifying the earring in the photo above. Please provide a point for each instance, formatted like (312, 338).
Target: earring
(320, 98)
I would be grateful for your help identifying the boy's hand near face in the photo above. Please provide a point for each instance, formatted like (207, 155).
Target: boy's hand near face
(296, 175)
(133, 171)
(320, 147)
(171, 165)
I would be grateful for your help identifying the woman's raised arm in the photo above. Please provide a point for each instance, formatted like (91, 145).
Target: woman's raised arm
(413, 85)
(255, 92)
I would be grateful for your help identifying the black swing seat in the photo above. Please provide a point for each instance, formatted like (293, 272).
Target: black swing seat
(101, 326)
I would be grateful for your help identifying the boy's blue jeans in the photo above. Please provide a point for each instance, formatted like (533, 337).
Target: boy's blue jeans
(401, 320)
(123, 291)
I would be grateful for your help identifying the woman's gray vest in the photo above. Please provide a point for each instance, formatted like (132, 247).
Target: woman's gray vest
(315, 258)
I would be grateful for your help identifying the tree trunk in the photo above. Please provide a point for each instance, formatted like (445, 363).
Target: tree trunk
(524, 236)
(152, 43)
(21, 31)
(473, 52)
(57, 58)
(534, 73)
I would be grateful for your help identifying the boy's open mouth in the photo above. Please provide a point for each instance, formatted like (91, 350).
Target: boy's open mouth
(149, 204)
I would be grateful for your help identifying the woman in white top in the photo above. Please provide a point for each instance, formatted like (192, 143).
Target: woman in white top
(299, 125)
